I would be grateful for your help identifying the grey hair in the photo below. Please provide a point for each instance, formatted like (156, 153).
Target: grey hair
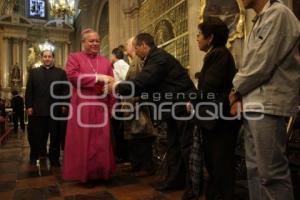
(87, 31)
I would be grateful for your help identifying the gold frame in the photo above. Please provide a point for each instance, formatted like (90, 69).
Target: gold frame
(239, 28)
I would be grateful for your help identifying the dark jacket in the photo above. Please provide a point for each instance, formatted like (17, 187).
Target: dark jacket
(217, 72)
(161, 74)
(17, 104)
(215, 84)
(37, 95)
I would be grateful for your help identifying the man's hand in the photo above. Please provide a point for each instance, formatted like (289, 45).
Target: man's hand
(29, 111)
(232, 97)
(236, 108)
(108, 87)
(236, 105)
(104, 78)
(189, 107)
(107, 80)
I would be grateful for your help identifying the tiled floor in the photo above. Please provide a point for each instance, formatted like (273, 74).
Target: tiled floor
(21, 181)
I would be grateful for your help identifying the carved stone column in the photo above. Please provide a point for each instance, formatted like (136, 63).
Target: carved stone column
(65, 54)
(16, 52)
(123, 21)
(132, 13)
(5, 62)
(114, 23)
(24, 62)
(58, 55)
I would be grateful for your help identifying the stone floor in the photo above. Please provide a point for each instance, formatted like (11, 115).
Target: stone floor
(21, 181)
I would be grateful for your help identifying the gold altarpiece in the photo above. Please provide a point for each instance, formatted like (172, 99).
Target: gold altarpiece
(167, 21)
(20, 38)
(173, 23)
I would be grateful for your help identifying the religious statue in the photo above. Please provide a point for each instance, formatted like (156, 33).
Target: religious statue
(163, 32)
(31, 60)
(15, 76)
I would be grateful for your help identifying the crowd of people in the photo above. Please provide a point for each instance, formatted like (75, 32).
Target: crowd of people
(111, 110)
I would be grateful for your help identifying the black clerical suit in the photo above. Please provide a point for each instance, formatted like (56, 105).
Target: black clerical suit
(162, 74)
(38, 97)
(17, 104)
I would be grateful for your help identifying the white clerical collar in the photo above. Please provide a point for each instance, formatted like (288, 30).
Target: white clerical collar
(48, 66)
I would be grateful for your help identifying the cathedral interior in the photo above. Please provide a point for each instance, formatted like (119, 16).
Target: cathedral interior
(28, 25)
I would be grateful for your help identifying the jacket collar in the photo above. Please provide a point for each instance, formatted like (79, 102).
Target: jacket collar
(265, 8)
(47, 67)
(152, 50)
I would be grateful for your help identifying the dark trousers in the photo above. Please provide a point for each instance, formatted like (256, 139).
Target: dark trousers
(18, 117)
(38, 131)
(140, 153)
(179, 140)
(62, 126)
(219, 146)
(120, 144)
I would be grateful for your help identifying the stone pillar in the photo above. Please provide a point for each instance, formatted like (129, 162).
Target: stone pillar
(58, 55)
(114, 23)
(5, 63)
(24, 63)
(131, 13)
(195, 55)
(65, 54)
(119, 24)
(16, 52)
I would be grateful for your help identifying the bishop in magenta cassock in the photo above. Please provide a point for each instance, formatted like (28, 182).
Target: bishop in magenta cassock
(88, 152)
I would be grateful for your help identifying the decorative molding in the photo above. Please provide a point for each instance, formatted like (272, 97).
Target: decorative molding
(15, 21)
(132, 10)
(59, 24)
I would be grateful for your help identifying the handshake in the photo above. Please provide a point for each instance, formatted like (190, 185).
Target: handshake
(109, 82)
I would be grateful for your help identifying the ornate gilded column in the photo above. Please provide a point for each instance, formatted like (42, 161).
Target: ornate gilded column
(24, 63)
(5, 62)
(58, 54)
(65, 54)
(195, 56)
(16, 51)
